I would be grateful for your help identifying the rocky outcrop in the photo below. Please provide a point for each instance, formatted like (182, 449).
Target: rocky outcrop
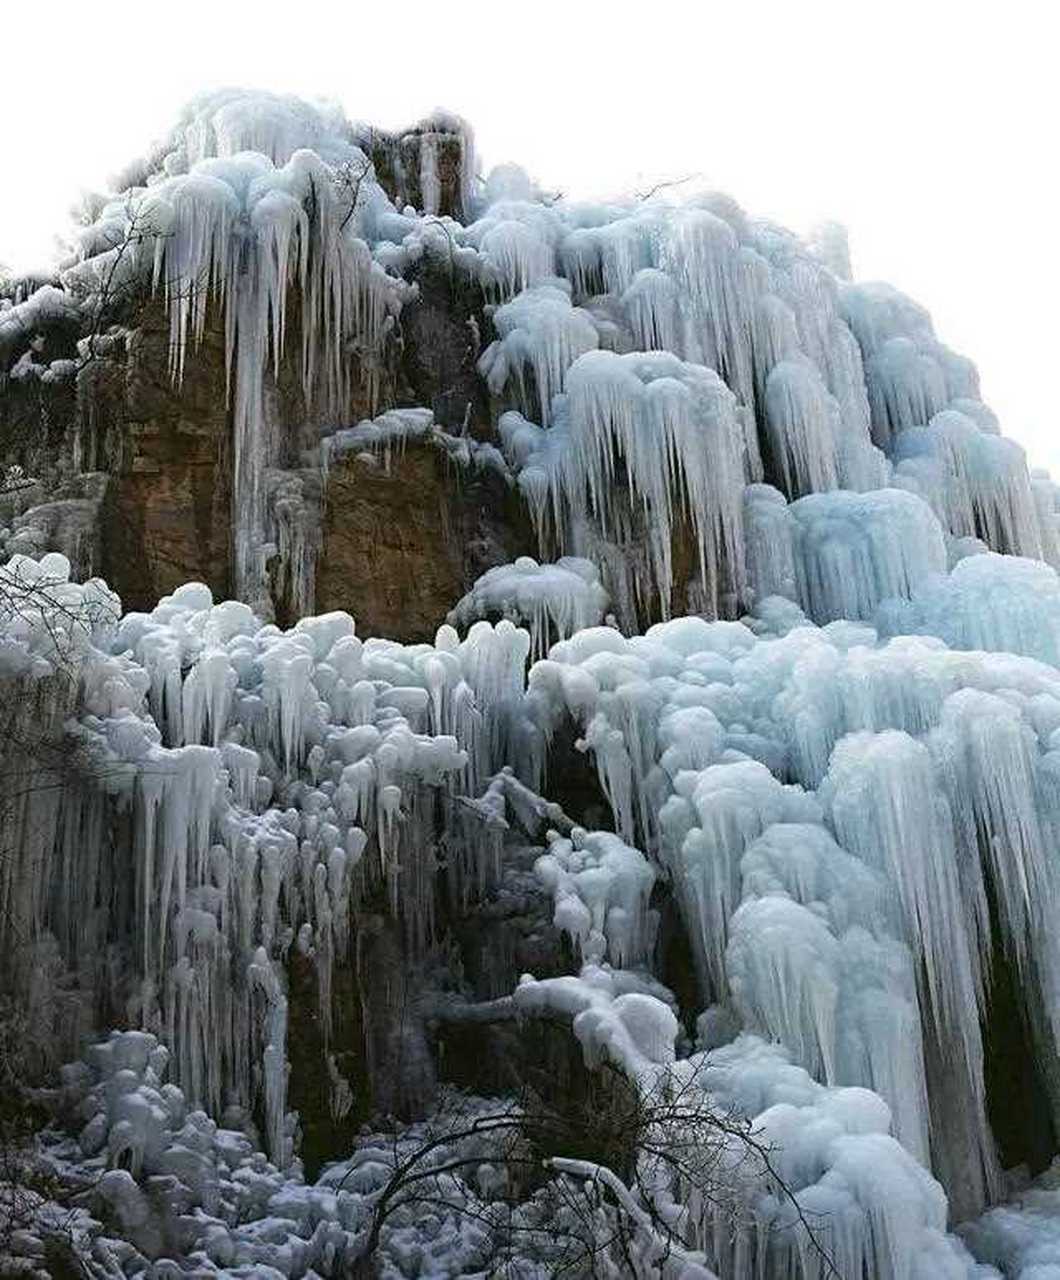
(393, 541)
(427, 166)
(399, 545)
(167, 517)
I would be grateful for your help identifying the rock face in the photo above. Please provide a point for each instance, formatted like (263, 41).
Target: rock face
(394, 541)
(167, 516)
(134, 468)
(426, 166)
(399, 546)
(444, 329)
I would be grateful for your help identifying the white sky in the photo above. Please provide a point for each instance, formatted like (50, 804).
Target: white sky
(929, 129)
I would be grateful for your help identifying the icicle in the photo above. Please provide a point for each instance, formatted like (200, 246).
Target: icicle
(855, 550)
(977, 483)
(886, 808)
(555, 600)
(600, 887)
(541, 333)
(673, 430)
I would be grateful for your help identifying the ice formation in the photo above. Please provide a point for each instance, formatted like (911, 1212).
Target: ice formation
(834, 780)
(601, 889)
(552, 600)
(663, 434)
(269, 777)
(250, 201)
(845, 913)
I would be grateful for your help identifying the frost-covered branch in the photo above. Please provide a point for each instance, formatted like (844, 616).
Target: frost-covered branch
(651, 1153)
(694, 1263)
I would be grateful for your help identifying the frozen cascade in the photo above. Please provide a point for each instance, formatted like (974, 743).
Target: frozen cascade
(801, 890)
(877, 1211)
(254, 240)
(887, 945)
(849, 796)
(248, 198)
(887, 809)
(292, 769)
(640, 438)
(692, 699)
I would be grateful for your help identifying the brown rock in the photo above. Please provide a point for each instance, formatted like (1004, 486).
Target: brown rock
(399, 548)
(167, 518)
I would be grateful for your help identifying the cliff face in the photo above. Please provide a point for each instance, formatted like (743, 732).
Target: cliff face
(326, 372)
(400, 546)
(167, 513)
(394, 541)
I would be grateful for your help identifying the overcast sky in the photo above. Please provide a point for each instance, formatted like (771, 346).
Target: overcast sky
(928, 128)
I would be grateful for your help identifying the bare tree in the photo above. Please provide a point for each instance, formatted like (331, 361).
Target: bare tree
(666, 184)
(348, 179)
(574, 1181)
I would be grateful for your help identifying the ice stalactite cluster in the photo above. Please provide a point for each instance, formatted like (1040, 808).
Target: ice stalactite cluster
(838, 386)
(661, 434)
(845, 913)
(910, 376)
(601, 889)
(383, 439)
(540, 335)
(267, 778)
(552, 600)
(841, 554)
(976, 482)
(49, 630)
(239, 233)
(254, 206)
